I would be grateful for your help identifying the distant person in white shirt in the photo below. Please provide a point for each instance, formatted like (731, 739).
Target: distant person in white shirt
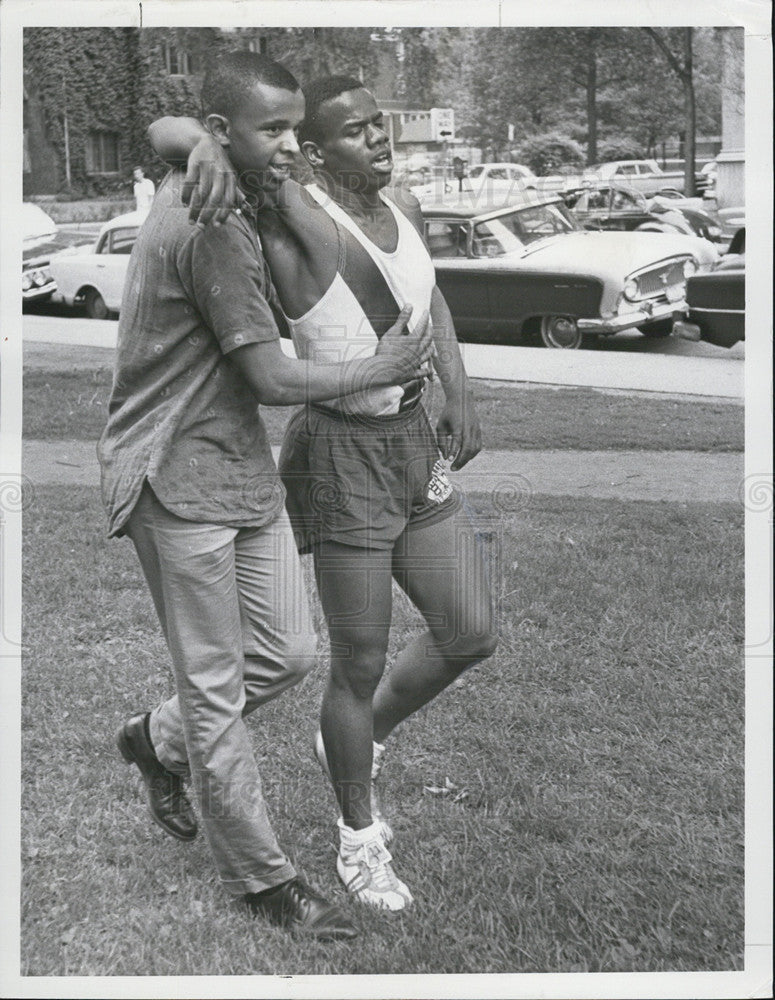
(144, 190)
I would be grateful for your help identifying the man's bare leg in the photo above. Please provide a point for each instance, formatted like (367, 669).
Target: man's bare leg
(441, 569)
(355, 590)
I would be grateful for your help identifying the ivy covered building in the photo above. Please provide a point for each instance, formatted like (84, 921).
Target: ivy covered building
(90, 93)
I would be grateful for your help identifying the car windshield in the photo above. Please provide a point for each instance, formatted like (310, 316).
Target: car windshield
(517, 229)
(475, 171)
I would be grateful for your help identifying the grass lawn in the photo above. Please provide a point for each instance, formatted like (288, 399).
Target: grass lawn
(73, 405)
(597, 761)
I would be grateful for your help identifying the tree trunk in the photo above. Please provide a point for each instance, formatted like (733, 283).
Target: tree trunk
(687, 78)
(684, 72)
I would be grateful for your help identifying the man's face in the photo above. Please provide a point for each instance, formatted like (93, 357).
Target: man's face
(138, 174)
(355, 149)
(261, 136)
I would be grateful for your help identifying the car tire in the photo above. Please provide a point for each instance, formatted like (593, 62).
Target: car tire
(560, 333)
(96, 307)
(662, 328)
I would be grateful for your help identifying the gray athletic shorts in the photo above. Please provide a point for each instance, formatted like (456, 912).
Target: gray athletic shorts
(361, 480)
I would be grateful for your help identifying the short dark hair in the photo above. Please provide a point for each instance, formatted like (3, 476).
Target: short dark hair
(325, 88)
(229, 80)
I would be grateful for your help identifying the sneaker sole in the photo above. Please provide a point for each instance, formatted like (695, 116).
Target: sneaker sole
(361, 895)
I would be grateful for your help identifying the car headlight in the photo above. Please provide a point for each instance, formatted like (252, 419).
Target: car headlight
(26, 281)
(690, 267)
(40, 277)
(631, 289)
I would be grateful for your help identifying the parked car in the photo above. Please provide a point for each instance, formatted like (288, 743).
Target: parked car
(485, 181)
(94, 275)
(41, 240)
(645, 176)
(529, 271)
(615, 206)
(715, 304)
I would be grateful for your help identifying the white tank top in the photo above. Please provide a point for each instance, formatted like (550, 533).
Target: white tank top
(408, 271)
(337, 329)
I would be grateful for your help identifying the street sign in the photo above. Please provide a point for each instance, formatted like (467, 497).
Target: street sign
(442, 124)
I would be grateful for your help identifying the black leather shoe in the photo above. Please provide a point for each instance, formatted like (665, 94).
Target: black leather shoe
(298, 907)
(167, 798)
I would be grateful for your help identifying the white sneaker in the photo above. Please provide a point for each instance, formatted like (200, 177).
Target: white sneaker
(378, 759)
(364, 865)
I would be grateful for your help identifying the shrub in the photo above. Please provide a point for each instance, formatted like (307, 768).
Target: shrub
(73, 193)
(549, 152)
(620, 149)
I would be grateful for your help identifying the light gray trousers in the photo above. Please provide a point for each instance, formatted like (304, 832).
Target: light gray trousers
(234, 612)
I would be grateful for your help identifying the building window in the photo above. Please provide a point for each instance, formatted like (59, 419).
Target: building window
(178, 61)
(102, 153)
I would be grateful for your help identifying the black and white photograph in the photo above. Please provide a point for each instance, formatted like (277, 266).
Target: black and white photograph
(386, 499)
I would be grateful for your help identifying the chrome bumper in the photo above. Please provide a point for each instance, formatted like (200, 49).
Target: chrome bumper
(38, 292)
(647, 314)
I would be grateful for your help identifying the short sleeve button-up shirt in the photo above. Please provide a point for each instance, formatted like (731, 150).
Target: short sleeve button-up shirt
(180, 415)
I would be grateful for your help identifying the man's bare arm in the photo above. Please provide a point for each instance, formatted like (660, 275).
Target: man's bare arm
(457, 432)
(174, 138)
(210, 188)
(277, 380)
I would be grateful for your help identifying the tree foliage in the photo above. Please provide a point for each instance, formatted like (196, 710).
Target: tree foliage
(676, 46)
(312, 52)
(591, 86)
(594, 85)
(549, 153)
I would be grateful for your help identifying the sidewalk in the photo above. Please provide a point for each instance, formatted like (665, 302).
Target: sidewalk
(512, 476)
(708, 371)
(677, 476)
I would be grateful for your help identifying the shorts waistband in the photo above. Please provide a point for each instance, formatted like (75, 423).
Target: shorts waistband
(365, 420)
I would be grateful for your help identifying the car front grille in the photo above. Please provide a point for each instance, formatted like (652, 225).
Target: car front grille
(652, 283)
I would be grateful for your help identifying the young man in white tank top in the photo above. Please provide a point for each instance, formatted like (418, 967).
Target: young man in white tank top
(341, 255)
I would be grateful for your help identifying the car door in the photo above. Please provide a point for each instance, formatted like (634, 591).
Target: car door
(461, 279)
(112, 262)
(650, 180)
(626, 173)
